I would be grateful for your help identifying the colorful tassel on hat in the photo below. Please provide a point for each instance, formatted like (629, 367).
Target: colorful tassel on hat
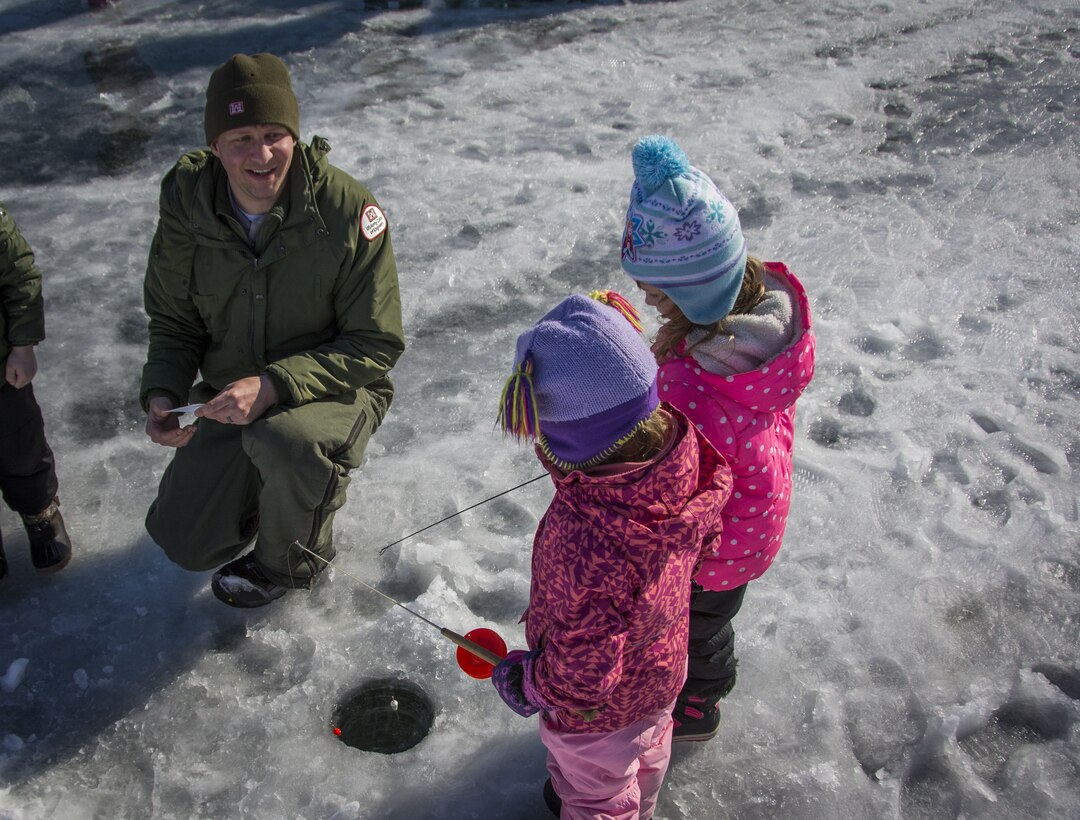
(518, 414)
(612, 298)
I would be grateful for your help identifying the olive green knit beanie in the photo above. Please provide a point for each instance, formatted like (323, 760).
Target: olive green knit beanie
(250, 90)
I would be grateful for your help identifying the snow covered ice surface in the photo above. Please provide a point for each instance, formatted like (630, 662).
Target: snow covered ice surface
(913, 653)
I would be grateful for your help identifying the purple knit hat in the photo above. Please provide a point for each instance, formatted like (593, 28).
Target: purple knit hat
(584, 380)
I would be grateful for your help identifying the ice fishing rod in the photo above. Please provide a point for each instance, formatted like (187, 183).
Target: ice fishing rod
(472, 647)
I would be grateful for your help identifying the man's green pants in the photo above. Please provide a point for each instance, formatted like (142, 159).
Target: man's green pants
(278, 480)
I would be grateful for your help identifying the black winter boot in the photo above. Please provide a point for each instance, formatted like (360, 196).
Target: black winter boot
(3, 559)
(698, 718)
(50, 544)
(552, 799)
(695, 719)
(241, 583)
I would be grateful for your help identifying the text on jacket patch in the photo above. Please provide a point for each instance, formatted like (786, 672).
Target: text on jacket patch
(372, 222)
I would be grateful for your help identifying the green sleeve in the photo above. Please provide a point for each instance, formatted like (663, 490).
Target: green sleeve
(178, 336)
(20, 287)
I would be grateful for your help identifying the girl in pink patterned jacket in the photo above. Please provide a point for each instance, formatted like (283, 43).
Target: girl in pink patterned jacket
(736, 349)
(638, 494)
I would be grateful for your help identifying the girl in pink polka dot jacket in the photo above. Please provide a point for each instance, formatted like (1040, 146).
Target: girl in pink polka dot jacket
(735, 350)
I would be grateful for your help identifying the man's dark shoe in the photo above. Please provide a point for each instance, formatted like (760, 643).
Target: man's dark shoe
(554, 802)
(242, 584)
(695, 719)
(50, 544)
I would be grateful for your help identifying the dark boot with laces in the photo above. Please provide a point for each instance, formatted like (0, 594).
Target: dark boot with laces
(241, 583)
(50, 544)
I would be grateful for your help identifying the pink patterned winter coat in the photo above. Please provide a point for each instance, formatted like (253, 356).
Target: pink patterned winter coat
(611, 567)
(750, 417)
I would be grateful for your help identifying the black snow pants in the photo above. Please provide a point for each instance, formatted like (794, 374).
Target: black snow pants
(27, 472)
(711, 672)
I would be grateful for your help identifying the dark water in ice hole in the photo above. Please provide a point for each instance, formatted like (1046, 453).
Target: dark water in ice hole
(385, 716)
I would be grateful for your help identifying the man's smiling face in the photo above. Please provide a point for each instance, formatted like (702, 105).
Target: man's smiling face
(257, 160)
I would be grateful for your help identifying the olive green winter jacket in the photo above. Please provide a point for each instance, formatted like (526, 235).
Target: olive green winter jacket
(315, 306)
(22, 312)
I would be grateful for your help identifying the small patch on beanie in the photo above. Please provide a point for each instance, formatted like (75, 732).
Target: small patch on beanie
(236, 107)
(628, 250)
(372, 222)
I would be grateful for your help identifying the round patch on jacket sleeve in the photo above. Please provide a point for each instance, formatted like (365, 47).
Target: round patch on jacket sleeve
(372, 222)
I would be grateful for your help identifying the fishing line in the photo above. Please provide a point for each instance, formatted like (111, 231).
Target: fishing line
(459, 512)
(465, 643)
(366, 584)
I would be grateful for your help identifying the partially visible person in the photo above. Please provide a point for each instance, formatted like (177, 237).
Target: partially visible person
(27, 469)
(638, 494)
(736, 350)
(272, 278)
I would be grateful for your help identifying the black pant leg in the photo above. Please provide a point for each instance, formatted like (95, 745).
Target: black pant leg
(27, 470)
(711, 650)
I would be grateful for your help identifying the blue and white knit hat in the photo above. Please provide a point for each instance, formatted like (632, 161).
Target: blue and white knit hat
(584, 380)
(682, 235)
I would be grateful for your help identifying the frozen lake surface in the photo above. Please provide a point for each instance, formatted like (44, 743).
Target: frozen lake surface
(913, 652)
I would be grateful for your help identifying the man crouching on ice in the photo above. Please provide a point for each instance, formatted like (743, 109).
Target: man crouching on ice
(271, 275)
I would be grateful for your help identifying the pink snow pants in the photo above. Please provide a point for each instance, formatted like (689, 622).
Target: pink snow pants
(610, 775)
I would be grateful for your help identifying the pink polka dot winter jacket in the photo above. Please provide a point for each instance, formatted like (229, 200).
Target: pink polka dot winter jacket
(609, 601)
(750, 418)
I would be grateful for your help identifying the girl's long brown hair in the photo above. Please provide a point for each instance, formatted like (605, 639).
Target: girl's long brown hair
(675, 330)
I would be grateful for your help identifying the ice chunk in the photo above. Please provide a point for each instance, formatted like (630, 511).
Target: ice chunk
(14, 676)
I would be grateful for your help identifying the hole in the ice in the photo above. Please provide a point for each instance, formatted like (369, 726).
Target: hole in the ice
(386, 716)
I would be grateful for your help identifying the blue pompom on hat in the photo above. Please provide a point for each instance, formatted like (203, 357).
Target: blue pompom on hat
(584, 380)
(682, 235)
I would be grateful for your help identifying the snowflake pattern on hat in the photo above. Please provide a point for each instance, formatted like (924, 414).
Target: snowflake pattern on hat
(681, 234)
